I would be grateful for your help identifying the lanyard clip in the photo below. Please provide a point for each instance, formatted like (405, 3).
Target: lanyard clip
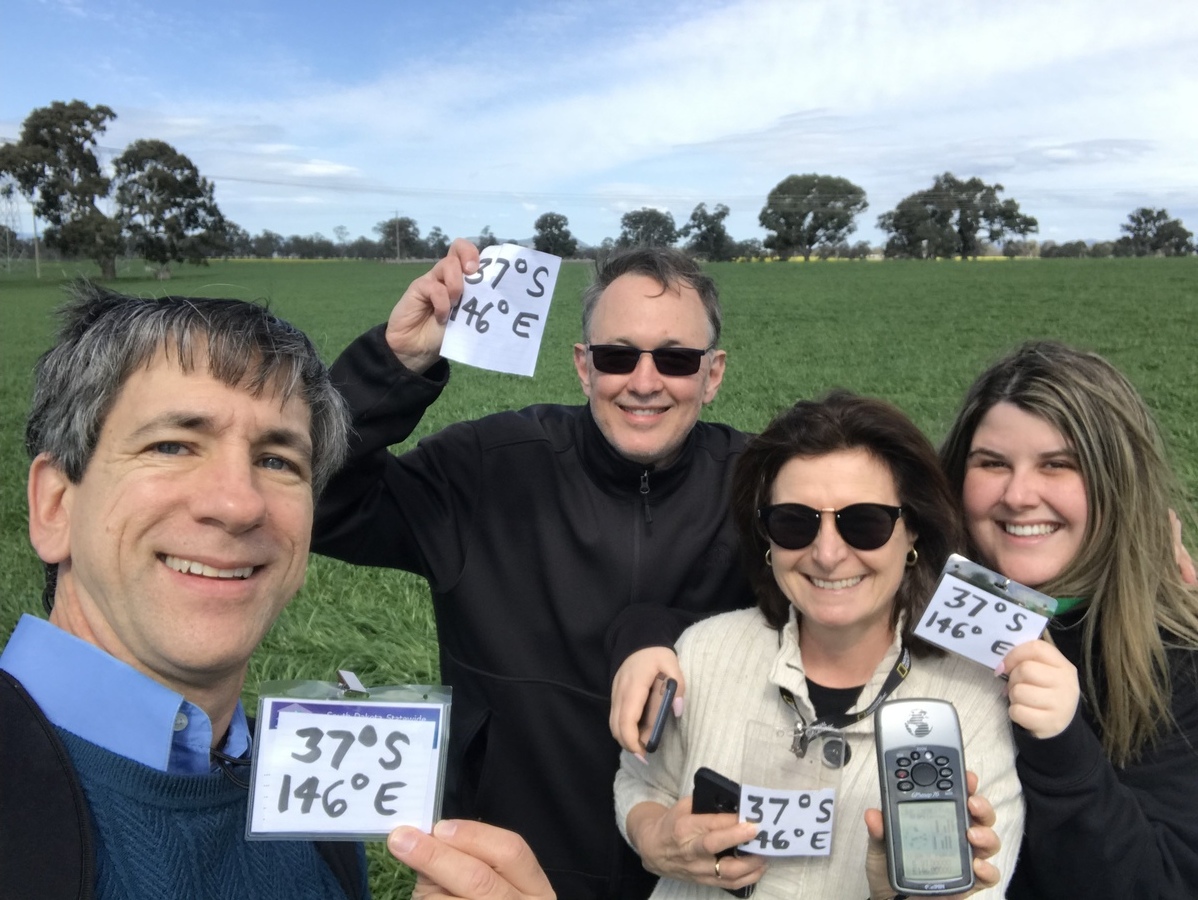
(350, 684)
(835, 747)
(802, 739)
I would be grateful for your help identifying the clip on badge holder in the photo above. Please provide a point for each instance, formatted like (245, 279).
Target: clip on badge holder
(790, 795)
(346, 762)
(981, 614)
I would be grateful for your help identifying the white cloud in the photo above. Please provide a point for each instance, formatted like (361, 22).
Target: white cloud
(594, 108)
(319, 167)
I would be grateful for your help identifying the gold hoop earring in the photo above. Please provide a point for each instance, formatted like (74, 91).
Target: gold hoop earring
(769, 560)
(912, 557)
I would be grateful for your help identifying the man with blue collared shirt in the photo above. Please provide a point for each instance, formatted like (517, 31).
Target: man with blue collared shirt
(113, 705)
(176, 446)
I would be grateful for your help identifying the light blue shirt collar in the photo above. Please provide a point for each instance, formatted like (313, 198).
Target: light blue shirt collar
(94, 695)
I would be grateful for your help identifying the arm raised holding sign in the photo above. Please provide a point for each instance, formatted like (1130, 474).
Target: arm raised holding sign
(416, 326)
(555, 539)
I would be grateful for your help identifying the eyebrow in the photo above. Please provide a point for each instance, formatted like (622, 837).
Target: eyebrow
(627, 342)
(274, 437)
(986, 451)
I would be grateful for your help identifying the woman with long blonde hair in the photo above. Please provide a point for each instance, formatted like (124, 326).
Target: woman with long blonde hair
(1063, 477)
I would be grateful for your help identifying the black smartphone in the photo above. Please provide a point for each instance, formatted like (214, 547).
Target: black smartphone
(921, 768)
(657, 712)
(716, 793)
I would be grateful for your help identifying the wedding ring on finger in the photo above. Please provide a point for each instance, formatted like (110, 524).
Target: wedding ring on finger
(717, 868)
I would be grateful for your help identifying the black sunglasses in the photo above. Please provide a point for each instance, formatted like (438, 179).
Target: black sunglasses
(865, 526)
(618, 359)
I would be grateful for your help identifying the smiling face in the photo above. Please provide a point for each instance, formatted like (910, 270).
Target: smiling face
(645, 415)
(1024, 496)
(189, 529)
(836, 588)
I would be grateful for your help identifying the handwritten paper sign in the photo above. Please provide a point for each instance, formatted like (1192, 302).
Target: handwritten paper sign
(792, 823)
(499, 322)
(349, 770)
(979, 618)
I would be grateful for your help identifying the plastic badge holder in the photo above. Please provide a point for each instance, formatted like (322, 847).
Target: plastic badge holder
(347, 762)
(790, 797)
(980, 614)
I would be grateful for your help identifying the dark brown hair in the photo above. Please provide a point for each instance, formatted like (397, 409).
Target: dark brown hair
(669, 267)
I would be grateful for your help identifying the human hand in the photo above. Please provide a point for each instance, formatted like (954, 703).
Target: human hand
(416, 327)
(465, 860)
(630, 693)
(1042, 688)
(676, 843)
(1185, 563)
(981, 836)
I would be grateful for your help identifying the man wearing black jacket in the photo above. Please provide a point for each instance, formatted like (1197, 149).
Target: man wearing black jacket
(556, 540)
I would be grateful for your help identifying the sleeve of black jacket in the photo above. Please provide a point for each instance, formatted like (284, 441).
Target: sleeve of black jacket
(1098, 831)
(646, 625)
(396, 511)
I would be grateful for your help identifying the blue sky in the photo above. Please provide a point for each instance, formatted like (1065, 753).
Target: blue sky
(308, 116)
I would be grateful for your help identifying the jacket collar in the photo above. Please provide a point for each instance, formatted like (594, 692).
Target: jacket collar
(618, 475)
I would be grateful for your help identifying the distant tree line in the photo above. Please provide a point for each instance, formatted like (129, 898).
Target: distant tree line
(1147, 232)
(164, 211)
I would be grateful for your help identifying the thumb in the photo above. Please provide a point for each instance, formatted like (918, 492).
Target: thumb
(873, 823)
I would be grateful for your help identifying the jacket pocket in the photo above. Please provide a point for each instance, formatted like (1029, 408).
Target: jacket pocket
(462, 791)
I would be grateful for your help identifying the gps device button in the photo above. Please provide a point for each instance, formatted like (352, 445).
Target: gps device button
(924, 774)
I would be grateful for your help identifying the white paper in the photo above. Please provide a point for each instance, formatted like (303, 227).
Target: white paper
(977, 624)
(500, 320)
(344, 768)
(790, 823)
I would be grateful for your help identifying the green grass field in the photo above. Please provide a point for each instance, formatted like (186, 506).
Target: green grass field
(913, 332)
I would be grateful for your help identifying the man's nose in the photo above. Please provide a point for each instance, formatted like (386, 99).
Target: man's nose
(645, 379)
(229, 493)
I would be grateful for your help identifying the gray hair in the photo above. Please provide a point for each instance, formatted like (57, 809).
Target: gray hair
(665, 265)
(106, 336)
